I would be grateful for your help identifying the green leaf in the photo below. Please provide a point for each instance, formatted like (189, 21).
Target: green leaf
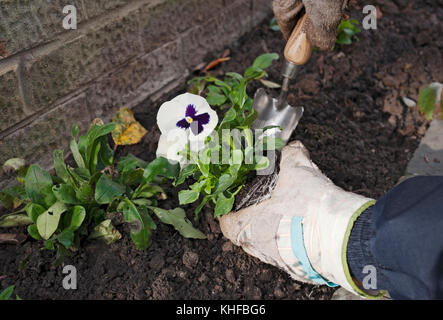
(188, 196)
(235, 75)
(224, 205)
(142, 202)
(215, 99)
(34, 210)
(33, 232)
(427, 101)
(76, 154)
(84, 193)
(106, 231)
(74, 218)
(265, 60)
(132, 177)
(177, 218)
(13, 197)
(47, 222)
(14, 220)
(7, 293)
(106, 153)
(187, 171)
(83, 174)
(130, 161)
(201, 205)
(270, 143)
(66, 238)
(38, 186)
(223, 183)
(93, 143)
(59, 165)
(274, 25)
(140, 224)
(252, 116)
(49, 244)
(106, 190)
(260, 164)
(65, 193)
(230, 116)
(160, 167)
(270, 84)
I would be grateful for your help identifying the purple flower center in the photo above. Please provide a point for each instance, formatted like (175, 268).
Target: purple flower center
(193, 120)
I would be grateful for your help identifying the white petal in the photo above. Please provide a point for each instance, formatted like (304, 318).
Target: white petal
(169, 114)
(186, 99)
(170, 144)
(196, 145)
(207, 128)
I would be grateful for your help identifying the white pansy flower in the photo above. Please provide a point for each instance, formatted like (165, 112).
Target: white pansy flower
(187, 118)
(189, 112)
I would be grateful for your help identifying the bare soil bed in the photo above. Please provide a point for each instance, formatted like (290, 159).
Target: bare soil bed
(354, 125)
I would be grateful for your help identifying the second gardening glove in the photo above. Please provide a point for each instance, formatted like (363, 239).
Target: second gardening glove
(303, 228)
(323, 18)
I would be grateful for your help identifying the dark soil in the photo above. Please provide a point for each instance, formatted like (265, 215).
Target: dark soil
(354, 125)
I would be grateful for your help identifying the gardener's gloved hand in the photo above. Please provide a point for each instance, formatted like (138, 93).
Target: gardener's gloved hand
(323, 18)
(303, 227)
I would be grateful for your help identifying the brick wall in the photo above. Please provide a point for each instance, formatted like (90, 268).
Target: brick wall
(122, 53)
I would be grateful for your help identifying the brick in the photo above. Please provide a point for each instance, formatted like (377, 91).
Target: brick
(11, 105)
(170, 19)
(27, 23)
(216, 34)
(83, 60)
(136, 81)
(36, 142)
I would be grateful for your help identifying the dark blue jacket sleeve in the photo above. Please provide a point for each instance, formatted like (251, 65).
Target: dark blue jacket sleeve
(402, 236)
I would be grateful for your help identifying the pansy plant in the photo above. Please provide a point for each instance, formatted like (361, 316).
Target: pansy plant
(79, 200)
(221, 154)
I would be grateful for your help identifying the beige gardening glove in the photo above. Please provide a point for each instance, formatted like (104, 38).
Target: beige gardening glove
(323, 18)
(303, 197)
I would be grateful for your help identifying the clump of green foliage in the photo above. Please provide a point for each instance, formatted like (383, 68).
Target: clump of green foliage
(75, 203)
(218, 182)
(429, 99)
(347, 31)
(7, 293)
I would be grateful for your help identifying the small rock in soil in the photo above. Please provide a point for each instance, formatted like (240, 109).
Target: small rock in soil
(230, 276)
(157, 262)
(190, 259)
(408, 102)
(278, 292)
(227, 246)
(203, 278)
(265, 275)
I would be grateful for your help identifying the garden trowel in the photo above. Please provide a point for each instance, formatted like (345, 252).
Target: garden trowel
(277, 112)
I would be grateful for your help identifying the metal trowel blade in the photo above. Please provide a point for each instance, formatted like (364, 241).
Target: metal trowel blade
(270, 114)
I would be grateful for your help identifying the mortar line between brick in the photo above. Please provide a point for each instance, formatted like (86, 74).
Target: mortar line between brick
(23, 88)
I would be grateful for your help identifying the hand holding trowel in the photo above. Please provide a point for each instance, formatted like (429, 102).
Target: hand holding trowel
(304, 23)
(277, 112)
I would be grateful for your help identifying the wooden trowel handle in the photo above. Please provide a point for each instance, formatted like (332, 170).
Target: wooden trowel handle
(298, 49)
